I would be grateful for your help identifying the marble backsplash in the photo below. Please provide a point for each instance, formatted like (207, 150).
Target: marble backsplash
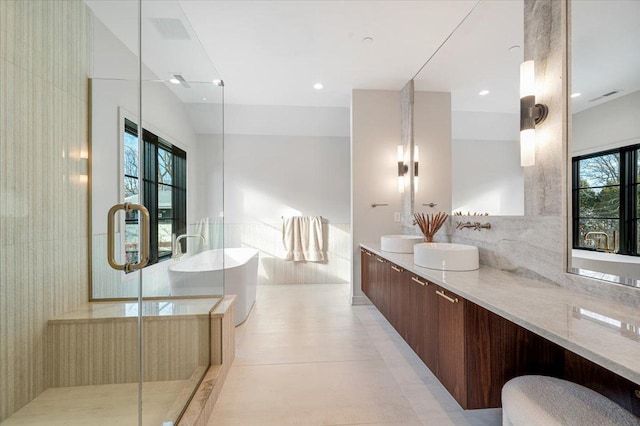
(531, 247)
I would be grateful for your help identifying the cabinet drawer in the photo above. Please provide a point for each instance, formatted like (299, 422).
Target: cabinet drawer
(451, 344)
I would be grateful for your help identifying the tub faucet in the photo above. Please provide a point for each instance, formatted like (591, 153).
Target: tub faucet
(606, 240)
(177, 248)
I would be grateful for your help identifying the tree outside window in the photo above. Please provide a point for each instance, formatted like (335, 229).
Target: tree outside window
(604, 201)
(164, 175)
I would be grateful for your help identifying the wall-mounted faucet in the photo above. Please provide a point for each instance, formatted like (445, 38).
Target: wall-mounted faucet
(177, 248)
(477, 226)
(606, 240)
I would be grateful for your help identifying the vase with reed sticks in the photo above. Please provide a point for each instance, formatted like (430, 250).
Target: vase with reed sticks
(429, 224)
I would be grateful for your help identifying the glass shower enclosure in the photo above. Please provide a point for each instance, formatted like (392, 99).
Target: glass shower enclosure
(111, 152)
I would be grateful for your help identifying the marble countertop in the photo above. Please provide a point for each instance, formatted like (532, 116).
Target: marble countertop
(604, 332)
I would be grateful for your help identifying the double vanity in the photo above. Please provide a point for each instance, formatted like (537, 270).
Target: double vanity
(477, 329)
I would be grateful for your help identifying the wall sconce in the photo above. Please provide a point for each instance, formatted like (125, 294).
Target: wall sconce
(402, 169)
(84, 166)
(531, 114)
(415, 168)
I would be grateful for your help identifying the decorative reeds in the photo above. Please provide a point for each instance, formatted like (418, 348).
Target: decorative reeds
(429, 224)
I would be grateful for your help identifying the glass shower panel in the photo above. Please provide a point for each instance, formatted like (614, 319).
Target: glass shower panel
(179, 99)
(115, 153)
(68, 80)
(115, 157)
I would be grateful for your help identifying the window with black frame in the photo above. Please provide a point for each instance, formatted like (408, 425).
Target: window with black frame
(164, 173)
(605, 206)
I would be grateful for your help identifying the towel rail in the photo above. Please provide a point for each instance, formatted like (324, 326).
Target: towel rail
(323, 219)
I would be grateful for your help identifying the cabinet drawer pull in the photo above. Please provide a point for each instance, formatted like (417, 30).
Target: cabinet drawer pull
(418, 281)
(368, 254)
(380, 260)
(395, 268)
(450, 299)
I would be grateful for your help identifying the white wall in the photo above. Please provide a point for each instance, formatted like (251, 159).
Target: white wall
(491, 126)
(272, 120)
(375, 135)
(207, 182)
(610, 125)
(267, 177)
(487, 178)
(278, 160)
(282, 161)
(486, 172)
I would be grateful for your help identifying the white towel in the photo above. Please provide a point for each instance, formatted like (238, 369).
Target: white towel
(302, 239)
(202, 228)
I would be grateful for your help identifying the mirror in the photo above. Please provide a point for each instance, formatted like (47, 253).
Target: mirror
(479, 66)
(605, 140)
(181, 150)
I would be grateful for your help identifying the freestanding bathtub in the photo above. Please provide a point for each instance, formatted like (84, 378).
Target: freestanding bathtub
(202, 275)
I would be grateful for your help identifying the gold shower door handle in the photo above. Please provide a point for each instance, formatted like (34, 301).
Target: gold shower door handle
(144, 237)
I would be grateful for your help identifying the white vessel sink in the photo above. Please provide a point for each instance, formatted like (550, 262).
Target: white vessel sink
(399, 243)
(446, 256)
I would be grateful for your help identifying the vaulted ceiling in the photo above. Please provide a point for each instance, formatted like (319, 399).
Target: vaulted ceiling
(273, 52)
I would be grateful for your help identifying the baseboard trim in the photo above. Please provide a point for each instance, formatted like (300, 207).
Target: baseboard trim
(360, 300)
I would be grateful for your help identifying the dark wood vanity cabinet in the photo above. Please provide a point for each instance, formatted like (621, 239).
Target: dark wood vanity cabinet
(383, 286)
(416, 312)
(375, 276)
(399, 299)
(365, 271)
(479, 351)
(468, 348)
(451, 346)
(471, 350)
(423, 321)
(371, 276)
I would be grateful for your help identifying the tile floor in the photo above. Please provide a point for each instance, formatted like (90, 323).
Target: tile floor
(307, 357)
(102, 405)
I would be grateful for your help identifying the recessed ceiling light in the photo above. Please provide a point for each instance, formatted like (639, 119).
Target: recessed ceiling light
(204, 99)
(575, 95)
(174, 80)
(483, 92)
(318, 86)
(367, 40)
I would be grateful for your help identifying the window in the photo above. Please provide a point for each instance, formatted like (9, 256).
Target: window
(164, 173)
(605, 201)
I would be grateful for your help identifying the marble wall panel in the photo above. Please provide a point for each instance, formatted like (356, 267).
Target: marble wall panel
(96, 352)
(406, 105)
(44, 56)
